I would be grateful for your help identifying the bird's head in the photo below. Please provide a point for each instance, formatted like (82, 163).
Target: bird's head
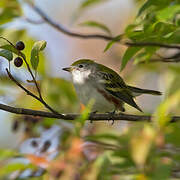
(81, 70)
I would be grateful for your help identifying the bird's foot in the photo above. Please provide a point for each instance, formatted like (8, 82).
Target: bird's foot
(111, 114)
(92, 113)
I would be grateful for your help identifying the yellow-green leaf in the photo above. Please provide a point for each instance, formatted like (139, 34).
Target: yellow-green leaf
(6, 54)
(37, 47)
(80, 121)
(162, 115)
(109, 45)
(7, 45)
(87, 3)
(140, 145)
(130, 52)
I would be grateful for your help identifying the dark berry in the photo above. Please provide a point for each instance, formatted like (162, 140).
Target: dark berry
(46, 146)
(18, 62)
(20, 45)
(34, 143)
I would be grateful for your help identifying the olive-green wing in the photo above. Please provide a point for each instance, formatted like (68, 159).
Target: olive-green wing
(115, 85)
(124, 95)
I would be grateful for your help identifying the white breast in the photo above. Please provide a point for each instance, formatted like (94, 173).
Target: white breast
(86, 92)
(80, 77)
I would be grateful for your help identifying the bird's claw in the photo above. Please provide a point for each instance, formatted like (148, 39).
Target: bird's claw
(111, 114)
(92, 113)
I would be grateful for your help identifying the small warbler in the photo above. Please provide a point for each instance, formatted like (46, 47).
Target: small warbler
(109, 91)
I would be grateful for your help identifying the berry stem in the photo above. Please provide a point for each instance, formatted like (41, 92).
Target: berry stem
(30, 93)
(40, 98)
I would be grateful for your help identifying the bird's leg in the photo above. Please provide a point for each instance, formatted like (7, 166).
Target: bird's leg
(111, 116)
(92, 113)
(121, 107)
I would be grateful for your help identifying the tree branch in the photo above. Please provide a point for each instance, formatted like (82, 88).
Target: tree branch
(40, 98)
(155, 44)
(157, 60)
(29, 20)
(92, 117)
(65, 31)
(62, 29)
(166, 60)
(173, 58)
(30, 93)
(28, 67)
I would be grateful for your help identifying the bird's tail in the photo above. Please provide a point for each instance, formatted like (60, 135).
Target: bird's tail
(138, 91)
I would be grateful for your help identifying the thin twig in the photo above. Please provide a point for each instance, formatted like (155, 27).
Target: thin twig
(30, 93)
(28, 67)
(173, 58)
(155, 44)
(66, 31)
(93, 117)
(32, 21)
(166, 60)
(37, 87)
(103, 144)
(161, 60)
(33, 77)
(62, 29)
(40, 98)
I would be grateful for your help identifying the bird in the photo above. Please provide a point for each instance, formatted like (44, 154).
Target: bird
(106, 87)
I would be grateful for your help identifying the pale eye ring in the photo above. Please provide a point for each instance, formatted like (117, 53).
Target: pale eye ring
(80, 66)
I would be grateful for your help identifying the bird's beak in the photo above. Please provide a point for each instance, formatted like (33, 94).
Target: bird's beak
(69, 69)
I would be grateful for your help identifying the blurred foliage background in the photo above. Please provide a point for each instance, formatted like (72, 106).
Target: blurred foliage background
(44, 148)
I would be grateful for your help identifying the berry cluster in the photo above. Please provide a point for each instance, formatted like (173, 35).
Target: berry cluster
(18, 61)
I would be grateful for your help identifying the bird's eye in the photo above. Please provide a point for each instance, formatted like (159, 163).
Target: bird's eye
(80, 66)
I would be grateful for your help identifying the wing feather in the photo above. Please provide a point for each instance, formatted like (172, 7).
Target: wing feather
(115, 85)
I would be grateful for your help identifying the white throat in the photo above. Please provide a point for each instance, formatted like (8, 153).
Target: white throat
(80, 77)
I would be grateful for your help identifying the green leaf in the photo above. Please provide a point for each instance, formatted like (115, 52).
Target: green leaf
(130, 29)
(156, 5)
(41, 45)
(87, 3)
(80, 121)
(130, 52)
(9, 168)
(7, 45)
(145, 55)
(144, 7)
(12, 49)
(10, 9)
(141, 144)
(6, 54)
(6, 153)
(162, 115)
(97, 25)
(37, 47)
(175, 37)
(109, 45)
(104, 164)
(168, 13)
(162, 171)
